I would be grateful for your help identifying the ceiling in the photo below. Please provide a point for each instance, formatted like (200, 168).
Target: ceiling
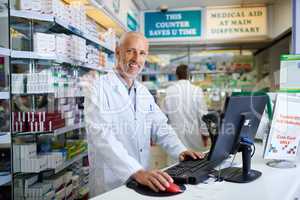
(172, 4)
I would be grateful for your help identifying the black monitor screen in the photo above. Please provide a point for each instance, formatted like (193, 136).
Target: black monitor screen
(229, 134)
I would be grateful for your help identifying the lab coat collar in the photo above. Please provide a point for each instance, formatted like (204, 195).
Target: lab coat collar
(183, 81)
(124, 82)
(119, 87)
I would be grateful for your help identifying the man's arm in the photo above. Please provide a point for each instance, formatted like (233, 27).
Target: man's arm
(164, 135)
(101, 136)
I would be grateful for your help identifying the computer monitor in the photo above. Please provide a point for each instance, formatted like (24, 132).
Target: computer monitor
(238, 129)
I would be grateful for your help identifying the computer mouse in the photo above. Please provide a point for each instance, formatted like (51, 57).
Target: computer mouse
(173, 188)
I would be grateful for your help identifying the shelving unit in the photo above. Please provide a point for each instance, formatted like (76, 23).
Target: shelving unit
(4, 95)
(65, 71)
(66, 27)
(56, 132)
(4, 51)
(61, 69)
(55, 58)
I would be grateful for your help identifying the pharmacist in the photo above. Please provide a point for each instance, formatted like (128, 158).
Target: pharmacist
(121, 121)
(184, 105)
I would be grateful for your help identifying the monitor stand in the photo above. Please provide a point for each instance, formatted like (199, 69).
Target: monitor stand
(244, 174)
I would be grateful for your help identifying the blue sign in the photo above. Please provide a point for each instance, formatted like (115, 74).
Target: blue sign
(173, 24)
(132, 23)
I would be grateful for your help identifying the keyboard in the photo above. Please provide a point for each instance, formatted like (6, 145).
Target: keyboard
(190, 171)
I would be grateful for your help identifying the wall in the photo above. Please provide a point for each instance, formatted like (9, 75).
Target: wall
(280, 17)
(4, 28)
(268, 62)
(125, 6)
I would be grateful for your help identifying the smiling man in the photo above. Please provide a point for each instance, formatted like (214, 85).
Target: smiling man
(122, 120)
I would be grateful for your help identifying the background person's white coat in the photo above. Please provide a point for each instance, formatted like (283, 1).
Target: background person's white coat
(184, 105)
(118, 137)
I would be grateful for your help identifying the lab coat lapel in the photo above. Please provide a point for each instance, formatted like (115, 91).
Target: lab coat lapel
(120, 89)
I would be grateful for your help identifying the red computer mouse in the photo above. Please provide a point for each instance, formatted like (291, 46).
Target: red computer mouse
(173, 188)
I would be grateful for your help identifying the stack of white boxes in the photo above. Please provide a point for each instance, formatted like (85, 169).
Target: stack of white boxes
(21, 185)
(57, 8)
(110, 39)
(58, 187)
(44, 43)
(78, 48)
(17, 86)
(34, 5)
(68, 109)
(48, 81)
(39, 191)
(40, 82)
(91, 28)
(93, 55)
(63, 45)
(27, 160)
(77, 15)
(52, 7)
(55, 159)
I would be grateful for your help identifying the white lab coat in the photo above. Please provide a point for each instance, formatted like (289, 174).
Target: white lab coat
(118, 137)
(184, 105)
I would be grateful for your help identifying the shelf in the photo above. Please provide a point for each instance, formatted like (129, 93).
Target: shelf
(100, 69)
(98, 43)
(191, 72)
(70, 162)
(5, 140)
(54, 57)
(56, 132)
(45, 93)
(67, 28)
(4, 179)
(4, 95)
(156, 73)
(32, 55)
(31, 15)
(4, 52)
(68, 128)
(208, 72)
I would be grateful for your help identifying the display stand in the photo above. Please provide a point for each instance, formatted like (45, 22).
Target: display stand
(282, 164)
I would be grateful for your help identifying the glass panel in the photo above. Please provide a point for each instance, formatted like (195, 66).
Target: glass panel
(5, 136)
(4, 73)
(4, 24)
(20, 32)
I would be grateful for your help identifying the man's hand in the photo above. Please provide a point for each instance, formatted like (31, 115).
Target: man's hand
(189, 153)
(155, 179)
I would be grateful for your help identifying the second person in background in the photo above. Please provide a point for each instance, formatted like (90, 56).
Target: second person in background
(185, 105)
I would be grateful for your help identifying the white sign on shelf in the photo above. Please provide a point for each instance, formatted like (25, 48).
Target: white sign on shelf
(284, 136)
(236, 22)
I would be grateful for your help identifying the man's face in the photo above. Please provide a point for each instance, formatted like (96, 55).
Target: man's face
(131, 56)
